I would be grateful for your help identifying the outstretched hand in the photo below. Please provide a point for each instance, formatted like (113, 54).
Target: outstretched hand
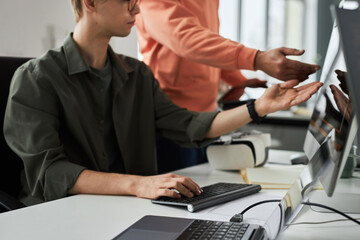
(283, 96)
(153, 187)
(274, 63)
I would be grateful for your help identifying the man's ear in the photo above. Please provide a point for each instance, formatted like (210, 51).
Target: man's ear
(89, 5)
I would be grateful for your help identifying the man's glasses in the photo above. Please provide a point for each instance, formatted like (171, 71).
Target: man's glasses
(132, 4)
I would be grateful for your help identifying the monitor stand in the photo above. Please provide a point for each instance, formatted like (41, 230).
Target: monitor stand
(345, 202)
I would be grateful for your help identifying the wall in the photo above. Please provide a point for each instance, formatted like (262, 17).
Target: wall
(29, 28)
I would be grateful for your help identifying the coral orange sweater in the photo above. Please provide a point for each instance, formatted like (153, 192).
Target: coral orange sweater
(180, 41)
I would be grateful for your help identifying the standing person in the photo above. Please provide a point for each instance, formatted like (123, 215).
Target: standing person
(84, 119)
(180, 42)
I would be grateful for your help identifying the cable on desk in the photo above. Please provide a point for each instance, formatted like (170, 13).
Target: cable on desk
(331, 209)
(304, 203)
(239, 217)
(258, 203)
(323, 222)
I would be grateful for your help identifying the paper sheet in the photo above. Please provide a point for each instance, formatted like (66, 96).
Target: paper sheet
(276, 177)
(272, 176)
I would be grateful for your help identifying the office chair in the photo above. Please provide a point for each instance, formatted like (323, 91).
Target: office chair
(11, 165)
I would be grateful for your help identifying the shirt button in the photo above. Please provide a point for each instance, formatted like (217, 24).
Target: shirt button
(101, 121)
(101, 90)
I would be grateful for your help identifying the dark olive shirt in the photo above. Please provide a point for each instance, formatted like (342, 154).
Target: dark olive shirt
(54, 120)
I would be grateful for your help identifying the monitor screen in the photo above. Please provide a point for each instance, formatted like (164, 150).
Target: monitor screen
(329, 138)
(349, 26)
(330, 134)
(331, 130)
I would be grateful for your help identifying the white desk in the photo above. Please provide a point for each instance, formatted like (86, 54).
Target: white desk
(104, 217)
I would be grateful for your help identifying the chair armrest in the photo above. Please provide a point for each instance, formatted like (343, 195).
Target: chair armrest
(8, 203)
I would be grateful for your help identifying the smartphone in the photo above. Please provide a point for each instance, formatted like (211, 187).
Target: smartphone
(231, 99)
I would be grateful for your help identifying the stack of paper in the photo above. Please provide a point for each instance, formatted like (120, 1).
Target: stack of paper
(272, 176)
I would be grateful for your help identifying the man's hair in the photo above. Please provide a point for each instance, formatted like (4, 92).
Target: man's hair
(77, 8)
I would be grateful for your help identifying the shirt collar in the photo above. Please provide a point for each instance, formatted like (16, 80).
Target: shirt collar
(123, 69)
(74, 60)
(76, 63)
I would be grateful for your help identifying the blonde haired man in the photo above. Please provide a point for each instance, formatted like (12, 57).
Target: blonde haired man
(84, 119)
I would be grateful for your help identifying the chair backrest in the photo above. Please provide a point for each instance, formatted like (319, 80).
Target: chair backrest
(11, 165)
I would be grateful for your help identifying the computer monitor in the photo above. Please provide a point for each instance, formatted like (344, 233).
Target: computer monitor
(332, 130)
(330, 136)
(350, 37)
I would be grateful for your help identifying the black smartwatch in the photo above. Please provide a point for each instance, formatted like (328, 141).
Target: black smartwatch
(253, 114)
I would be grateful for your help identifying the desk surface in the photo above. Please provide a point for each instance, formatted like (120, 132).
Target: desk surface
(103, 217)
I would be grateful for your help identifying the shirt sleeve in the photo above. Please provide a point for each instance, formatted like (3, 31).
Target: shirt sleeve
(186, 128)
(31, 129)
(175, 27)
(232, 77)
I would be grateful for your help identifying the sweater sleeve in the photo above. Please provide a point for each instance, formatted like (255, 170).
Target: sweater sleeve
(232, 77)
(174, 26)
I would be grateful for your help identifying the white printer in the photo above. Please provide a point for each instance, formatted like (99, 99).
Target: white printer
(239, 150)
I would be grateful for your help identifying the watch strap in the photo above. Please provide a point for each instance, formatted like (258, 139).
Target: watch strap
(250, 104)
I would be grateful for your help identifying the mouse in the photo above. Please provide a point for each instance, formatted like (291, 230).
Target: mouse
(299, 159)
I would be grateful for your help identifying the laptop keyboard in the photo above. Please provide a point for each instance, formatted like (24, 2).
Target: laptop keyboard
(214, 230)
(212, 195)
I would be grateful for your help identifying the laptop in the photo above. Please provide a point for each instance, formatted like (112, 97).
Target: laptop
(326, 164)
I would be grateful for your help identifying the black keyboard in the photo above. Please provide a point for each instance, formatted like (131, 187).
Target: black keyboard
(204, 229)
(213, 194)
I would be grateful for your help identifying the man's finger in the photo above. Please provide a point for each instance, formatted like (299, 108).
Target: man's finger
(190, 184)
(297, 70)
(300, 99)
(306, 86)
(304, 94)
(297, 66)
(309, 89)
(187, 184)
(289, 84)
(291, 51)
(175, 184)
(300, 77)
(168, 193)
